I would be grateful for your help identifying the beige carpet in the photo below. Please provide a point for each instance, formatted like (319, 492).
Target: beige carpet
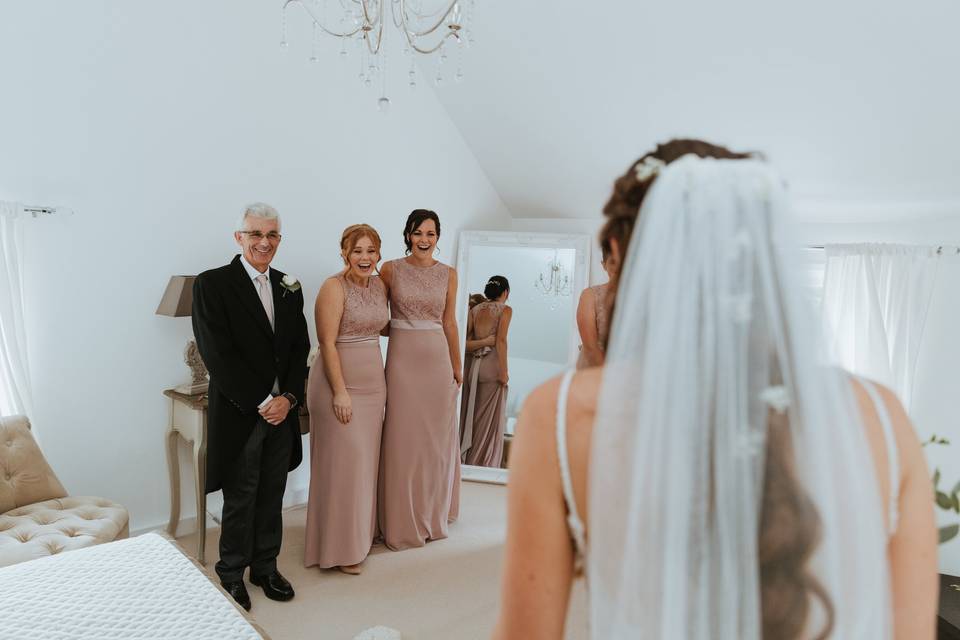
(447, 590)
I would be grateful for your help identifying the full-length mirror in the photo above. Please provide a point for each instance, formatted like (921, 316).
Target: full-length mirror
(516, 308)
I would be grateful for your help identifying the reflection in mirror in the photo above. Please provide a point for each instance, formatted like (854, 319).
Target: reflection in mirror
(517, 304)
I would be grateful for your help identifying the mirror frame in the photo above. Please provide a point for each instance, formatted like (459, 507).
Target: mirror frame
(580, 242)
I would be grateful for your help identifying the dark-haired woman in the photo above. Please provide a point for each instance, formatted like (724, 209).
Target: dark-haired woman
(419, 485)
(714, 479)
(483, 408)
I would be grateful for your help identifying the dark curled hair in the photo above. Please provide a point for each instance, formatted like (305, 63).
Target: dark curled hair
(496, 286)
(790, 526)
(416, 218)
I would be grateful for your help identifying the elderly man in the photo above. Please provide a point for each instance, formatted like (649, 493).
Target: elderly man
(249, 324)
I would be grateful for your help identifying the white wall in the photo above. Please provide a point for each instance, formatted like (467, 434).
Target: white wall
(156, 123)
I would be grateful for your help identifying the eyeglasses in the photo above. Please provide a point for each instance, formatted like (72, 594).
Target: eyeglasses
(272, 236)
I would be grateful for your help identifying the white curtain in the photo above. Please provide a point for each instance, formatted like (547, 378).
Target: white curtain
(14, 372)
(875, 303)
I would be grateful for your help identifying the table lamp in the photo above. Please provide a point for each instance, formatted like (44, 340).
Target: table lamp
(177, 302)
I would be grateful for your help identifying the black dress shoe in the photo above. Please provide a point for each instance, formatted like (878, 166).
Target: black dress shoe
(238, 592)
(274, 586)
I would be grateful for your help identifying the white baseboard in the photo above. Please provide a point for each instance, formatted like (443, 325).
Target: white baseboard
(293, 498)
(296, 497)
(488, 475)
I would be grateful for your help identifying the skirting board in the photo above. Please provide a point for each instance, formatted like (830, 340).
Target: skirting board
(297, 497)
(293, 498)
(488, 475)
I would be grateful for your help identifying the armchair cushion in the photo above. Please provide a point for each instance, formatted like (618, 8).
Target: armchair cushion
(25, 475)
(63, 524)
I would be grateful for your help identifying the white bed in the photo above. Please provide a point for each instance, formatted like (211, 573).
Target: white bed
(134, 589)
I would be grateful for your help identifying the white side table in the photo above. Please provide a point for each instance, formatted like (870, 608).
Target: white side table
(188, 420)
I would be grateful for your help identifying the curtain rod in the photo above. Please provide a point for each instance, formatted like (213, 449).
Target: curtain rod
(941, 249)
(45, 211)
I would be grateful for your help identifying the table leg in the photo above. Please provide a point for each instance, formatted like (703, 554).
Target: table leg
(200, 473)
(173, 467)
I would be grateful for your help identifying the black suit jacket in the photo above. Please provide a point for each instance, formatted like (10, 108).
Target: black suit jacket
(244, 356)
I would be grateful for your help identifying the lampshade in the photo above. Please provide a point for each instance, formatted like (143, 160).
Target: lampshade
(177, 300)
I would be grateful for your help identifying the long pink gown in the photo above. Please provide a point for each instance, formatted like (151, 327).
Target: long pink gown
(345, 458)
(483, 408)
(420, 454)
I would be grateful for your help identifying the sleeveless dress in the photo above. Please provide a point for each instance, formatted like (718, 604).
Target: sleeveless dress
(599, 293)
(345, 458)
(577, 529)
(419, 488)
(483, 408)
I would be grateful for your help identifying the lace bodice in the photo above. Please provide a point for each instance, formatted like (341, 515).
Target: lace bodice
(418, 293)
(364, 308)
(489, 314)
(600, 302)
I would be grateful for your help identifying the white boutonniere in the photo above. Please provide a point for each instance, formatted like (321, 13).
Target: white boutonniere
(289, 284)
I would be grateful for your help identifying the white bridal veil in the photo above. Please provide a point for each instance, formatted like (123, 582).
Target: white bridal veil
(709, 334)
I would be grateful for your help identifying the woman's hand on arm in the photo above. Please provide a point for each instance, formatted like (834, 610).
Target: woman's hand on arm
(503, 327)
(328, 312)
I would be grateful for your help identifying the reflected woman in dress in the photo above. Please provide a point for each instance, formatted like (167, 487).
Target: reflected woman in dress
(483, 408)
(346, 394)
(420, 460)
(592, 317)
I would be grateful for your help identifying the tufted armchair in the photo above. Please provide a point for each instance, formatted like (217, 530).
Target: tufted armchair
(37, 518)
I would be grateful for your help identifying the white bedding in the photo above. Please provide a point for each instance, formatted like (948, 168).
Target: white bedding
(133, 589)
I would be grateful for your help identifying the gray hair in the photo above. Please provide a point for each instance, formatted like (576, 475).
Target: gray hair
(258, 210)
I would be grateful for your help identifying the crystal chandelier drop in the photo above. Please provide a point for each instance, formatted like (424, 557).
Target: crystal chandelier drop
(555, 282)
(427, 27)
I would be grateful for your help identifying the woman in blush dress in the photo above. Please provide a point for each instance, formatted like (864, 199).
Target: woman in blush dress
(346, 394)
(420, 457)
(483, 409)
(592, 318)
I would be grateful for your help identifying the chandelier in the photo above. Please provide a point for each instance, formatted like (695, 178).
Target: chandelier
(555, 281)
(427, 27)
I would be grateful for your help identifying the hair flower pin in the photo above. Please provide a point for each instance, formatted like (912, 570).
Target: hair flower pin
(649, 168)
(777, 398)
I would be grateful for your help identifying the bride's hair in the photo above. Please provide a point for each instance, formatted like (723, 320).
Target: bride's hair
(789, 529)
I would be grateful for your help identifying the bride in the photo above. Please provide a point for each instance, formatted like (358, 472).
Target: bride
(735, 487)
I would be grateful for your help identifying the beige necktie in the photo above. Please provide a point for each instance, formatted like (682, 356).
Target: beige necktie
(266, 296)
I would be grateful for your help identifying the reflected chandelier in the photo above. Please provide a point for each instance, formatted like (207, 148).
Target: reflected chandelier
(427, 27)
(556, 281)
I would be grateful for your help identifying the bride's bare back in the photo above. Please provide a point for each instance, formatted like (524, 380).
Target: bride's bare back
(539, 558)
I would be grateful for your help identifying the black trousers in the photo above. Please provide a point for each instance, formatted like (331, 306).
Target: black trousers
(252, 527)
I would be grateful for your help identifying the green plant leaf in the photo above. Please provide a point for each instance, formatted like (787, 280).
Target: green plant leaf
(948, 532)
(936, 478)
(956, 488)
(944, 501)
(956, 501)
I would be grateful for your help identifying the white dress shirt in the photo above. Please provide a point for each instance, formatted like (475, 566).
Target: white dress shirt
(254, 274)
